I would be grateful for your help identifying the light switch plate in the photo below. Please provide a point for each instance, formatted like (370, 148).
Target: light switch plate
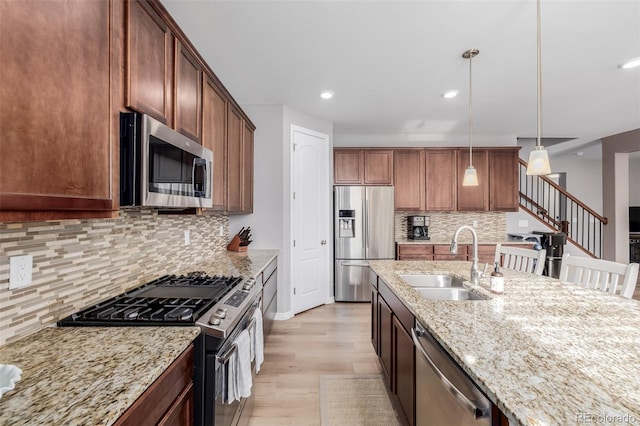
(523, 223)
(20, 271)
(187, 238)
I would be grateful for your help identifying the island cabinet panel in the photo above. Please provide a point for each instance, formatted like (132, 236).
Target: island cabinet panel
(404, 370)
(441, 183)
(214, 137)
(169, 400)
(378, 167)
(409, 180)
(504, 185)
(473, 198)
(188, 93)
(234, 159)
(150, 67)
(385, 322)
(56, 134)
(486, 254)
(375, 328)
(348, 167)
(414, 252)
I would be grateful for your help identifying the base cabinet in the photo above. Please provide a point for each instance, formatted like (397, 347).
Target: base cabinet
(169, 400)
(269, 296)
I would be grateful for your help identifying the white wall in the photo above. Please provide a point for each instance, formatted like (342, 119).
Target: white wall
(270, 221)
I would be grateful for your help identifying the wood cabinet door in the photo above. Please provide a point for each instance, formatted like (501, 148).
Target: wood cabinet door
(375, 328)
(347, 166)
(188, 93)
(409, 180)
(214, 137)
(378, 167)
(149, 62)
(504, 184)
(247, 168)
(234, 159)
(55, 108)
(441, 181)
(385, 342)
(404, 370)
(473, 198)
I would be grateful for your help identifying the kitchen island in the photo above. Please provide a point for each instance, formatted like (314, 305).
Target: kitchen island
(544, 352)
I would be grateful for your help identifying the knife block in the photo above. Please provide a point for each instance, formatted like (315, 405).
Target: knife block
(234, 245)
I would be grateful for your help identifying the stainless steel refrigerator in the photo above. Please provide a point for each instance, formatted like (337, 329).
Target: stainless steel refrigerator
(364, 230)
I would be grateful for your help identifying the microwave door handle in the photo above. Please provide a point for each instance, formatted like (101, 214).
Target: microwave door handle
(199, 162)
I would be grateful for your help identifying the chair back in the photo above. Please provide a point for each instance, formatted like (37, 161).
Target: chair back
(605, 275)
(520, 259)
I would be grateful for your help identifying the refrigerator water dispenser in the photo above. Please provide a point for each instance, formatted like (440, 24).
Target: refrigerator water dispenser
(347, 223)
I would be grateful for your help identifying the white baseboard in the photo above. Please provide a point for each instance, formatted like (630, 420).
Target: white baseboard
(281, 316)
(330, 301)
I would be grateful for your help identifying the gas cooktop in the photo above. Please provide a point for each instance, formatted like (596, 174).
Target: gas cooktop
(169, 300)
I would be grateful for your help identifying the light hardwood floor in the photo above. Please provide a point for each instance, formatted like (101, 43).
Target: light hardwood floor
(330, 339)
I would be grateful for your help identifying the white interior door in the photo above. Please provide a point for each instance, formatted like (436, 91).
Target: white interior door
(310, 219)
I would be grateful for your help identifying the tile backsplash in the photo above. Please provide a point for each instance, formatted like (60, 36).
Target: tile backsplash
(80, 262)
(492, 226)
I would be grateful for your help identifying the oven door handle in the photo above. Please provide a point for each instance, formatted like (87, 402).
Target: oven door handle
(224, 358)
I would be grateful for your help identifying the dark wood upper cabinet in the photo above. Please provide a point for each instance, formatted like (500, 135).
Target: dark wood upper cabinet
(409, 179)
(188, 93)
(56, 92)
(504, 185)
(247, 168)
(150, 62)
(473, 198)
(234, 159)
(347, 166)
(378, 167)
(363, 166)
(214, 137)
(441, 182)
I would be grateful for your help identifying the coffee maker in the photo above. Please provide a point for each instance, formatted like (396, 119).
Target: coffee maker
(418, 227)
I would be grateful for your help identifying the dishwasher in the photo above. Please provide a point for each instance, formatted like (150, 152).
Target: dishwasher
(445, 395)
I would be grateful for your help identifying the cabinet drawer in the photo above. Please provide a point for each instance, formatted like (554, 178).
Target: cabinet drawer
(266, 273)
(444, 249)
(449, 257)
(412, 249)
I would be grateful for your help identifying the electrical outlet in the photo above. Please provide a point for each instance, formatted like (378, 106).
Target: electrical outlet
(20, 271)
(187, 238)
(221, 231)
(523, 223)
(474, 224)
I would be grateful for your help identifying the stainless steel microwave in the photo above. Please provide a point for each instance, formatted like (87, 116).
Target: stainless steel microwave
(161, 168)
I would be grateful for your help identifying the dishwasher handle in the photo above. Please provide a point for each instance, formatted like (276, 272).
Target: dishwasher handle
(477, 412)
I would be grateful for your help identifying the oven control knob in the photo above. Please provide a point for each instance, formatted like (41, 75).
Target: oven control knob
(220, 313)
(214, 321)
(248, 285)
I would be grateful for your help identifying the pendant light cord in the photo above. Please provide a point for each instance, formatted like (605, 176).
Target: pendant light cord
(470, 112)
(539, 40)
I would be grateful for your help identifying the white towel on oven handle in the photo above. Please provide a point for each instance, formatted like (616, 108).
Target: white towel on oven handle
(257, 339)
(239, 369)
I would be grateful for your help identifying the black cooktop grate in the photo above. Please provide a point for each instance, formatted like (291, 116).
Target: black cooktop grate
(169, 300)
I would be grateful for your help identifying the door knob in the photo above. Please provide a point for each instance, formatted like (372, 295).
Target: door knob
(323, 242)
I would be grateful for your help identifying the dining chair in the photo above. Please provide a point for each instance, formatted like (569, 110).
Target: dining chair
(605, 275)
(520, 259)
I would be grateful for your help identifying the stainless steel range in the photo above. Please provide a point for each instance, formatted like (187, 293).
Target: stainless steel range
(221, 306)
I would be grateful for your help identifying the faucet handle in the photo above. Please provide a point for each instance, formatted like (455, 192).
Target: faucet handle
(484, 271)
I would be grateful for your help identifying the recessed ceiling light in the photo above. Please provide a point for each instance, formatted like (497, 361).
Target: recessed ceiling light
(327, 94)
(450, 94)
(631, 63)
(579, 153)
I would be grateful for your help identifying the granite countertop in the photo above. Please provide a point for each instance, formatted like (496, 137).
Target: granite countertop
(462, 241)
(545, 352)
(91, 375)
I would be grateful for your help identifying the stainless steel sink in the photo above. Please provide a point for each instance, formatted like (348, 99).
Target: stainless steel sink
(431, 280)
(452, 293)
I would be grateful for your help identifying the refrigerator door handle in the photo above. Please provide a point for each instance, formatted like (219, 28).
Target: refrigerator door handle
(357, 264)
(365, 224)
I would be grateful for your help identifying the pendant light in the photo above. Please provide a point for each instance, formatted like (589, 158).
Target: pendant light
(470, 174)
(539, 158)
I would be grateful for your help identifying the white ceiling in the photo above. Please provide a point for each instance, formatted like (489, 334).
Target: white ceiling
(389, 62)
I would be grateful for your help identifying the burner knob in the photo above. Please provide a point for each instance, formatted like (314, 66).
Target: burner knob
(220, 313)
(248, 285)
(214, 321)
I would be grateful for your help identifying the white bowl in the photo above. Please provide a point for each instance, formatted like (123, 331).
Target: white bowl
(9, 375)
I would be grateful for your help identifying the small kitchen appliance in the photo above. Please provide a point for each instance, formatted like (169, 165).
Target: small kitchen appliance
(364, 230)
(222, 306)
(418, 227)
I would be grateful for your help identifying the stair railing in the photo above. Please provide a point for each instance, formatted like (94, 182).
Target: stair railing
(561, 211)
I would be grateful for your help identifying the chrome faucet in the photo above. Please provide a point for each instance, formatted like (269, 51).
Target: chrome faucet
(475, 272)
